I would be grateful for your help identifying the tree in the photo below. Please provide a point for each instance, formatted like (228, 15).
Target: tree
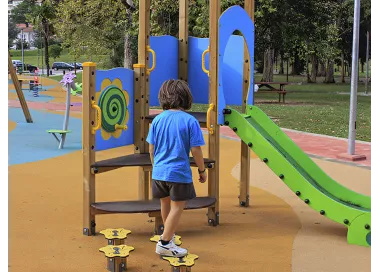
(41, 16)
(89, 28)
(20, 12)
(12, 32)
(55, 51)
(25, 44)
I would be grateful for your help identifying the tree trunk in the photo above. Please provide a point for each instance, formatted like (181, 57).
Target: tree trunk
(322, 69)
(330, 72)
(342, 80)
(45, 24)
(362, 63)
(281, 71)
(268, 65)
(128, 55)
(308, 79)
(314, 68)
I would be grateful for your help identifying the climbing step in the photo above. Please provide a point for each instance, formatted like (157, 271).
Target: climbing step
(117, 257)
(115, 236)
(177, 239)
(182, 264)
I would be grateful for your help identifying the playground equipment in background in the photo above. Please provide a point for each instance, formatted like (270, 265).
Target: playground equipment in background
(122, 118)
(78, 89)
(68, 82)
(19, 92)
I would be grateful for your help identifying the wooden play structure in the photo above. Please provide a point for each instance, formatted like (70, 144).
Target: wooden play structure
(114, 115)
(19, 92)
(94, 120)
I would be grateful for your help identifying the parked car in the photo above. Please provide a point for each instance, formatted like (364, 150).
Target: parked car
(17, 63)
(62, 66)
(77, 65)
(30, 68)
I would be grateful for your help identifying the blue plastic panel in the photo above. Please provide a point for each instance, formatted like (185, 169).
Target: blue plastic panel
(234, 18)
(122, 78)
(233, 64)
(166, 48)
(197, 79)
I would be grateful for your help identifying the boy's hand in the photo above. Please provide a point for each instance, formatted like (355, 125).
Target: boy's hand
(202, 177)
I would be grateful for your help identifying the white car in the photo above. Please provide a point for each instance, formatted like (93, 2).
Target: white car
(17, 63)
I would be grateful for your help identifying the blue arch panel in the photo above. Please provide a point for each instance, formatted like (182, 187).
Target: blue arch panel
(197, 79)
(166, 48)
(233, 64)
(115, 76)
(234, 18)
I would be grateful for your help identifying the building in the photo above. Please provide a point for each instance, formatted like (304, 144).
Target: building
(26, 32)
(12, 4)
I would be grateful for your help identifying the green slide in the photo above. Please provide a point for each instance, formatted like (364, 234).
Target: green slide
(302, 175)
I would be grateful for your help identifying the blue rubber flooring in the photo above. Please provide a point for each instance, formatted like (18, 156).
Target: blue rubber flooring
(41, 98)
(31, 142)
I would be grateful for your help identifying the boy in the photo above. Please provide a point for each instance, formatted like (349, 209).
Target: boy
(172, 135)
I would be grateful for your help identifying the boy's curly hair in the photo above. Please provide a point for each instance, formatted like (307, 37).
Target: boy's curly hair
(175, 94)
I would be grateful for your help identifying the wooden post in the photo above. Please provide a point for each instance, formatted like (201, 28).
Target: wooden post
(245, 150)
(142, 94)
(183, 38)
(213, 146)
(88, 145)
(19, 92)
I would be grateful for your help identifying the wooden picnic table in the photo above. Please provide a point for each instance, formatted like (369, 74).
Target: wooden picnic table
(271, 89)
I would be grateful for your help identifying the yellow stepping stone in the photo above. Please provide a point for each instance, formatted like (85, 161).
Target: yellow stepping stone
(115, 236)
(116, 257)
(182, 264)
(177, 239)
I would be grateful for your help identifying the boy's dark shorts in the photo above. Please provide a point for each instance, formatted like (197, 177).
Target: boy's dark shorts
(176, 190)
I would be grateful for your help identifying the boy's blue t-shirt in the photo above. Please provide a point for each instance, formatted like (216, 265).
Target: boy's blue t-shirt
(173, 134)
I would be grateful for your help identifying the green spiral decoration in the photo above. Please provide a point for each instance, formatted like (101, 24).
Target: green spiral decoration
(114, 108)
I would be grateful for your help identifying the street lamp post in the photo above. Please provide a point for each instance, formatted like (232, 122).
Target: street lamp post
(22, 48)
(354, 80)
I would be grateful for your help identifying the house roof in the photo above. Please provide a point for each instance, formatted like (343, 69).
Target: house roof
(24, 28)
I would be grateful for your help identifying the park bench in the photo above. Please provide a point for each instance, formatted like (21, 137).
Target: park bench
(270, 89)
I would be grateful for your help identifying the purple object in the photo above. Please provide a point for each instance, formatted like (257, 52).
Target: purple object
(68, 79)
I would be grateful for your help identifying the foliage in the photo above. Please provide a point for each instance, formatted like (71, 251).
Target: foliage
(18, 44)
(55, 51)
(21, 11)
(12, 32)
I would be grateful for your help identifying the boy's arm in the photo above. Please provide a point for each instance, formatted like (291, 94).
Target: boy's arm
(196, 151)
(151, 153)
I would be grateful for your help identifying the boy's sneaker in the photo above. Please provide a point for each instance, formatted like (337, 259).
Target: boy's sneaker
(170, 250)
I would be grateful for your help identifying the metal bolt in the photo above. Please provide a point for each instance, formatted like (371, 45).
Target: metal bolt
(281, 176)
(298, 193)
(346, 221)
(322, 212)
(307, 201)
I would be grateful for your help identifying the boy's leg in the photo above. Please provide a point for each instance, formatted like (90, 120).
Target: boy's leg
(165, 207)
(172, 221)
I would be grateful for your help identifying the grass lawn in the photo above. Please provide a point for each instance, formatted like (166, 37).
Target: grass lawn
(315, 108)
